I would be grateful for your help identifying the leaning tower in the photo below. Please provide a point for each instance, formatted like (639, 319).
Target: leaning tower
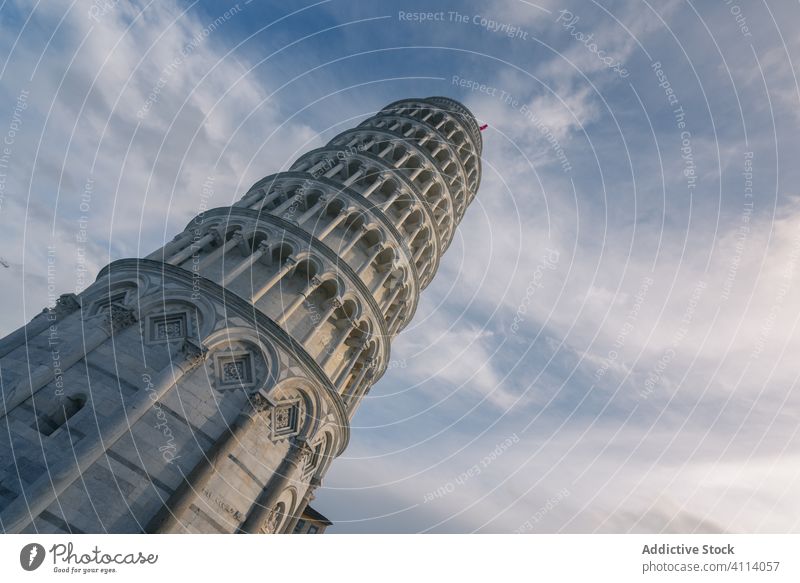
(208, 386)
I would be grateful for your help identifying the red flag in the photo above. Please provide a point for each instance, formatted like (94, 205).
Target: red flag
(484, 126)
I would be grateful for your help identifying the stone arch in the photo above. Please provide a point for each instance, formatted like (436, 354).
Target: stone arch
(282, 512)
(324, 450)
(229, 228)
(253, 237)
(311, 396)
(280, 251)
(373, 234)
(356, 219)
(416, 217)
(260, 363)
(200, 313)
(307, 264)
(351, 310)
(387, 256)
(97, 299)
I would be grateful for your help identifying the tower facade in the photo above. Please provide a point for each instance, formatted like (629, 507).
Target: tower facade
(208, 386)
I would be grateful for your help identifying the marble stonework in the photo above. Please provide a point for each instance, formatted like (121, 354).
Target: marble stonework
(208, 386)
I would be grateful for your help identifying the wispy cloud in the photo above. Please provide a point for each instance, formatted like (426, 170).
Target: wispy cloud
(647, 371)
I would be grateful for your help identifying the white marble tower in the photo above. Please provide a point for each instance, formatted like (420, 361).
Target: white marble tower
(208, 387)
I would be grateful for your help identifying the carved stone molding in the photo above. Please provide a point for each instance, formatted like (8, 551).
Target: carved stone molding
(286, 419)
(193, 353)
(118, 317)
(300, 452)
(66, 304)
(257, 405)
(270, 525)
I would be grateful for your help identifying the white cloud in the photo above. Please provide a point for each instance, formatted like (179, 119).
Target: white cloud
(150, 107)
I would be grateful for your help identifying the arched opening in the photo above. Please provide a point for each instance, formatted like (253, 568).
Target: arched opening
(279, 253)
(256, 240)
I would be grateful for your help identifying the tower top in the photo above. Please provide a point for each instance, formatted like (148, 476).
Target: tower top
(450, 105)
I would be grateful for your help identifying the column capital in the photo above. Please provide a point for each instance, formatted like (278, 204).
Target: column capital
(299, 450)
(359, 343)
(258, 403)
(66, 304)
(193, 352)
(218, 233)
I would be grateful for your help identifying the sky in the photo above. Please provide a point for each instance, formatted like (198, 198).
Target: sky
(610, 342)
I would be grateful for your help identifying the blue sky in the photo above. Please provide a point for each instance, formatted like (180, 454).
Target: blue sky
(609, 343)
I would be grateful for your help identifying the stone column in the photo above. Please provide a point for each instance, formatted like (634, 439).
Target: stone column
(372, 187)
(419, 252)
(244, 265)
(61, 474)
(332, 225)
(353, 177)
(389, 201)
(190, 249)
(289, 263)
(251, 197)
(417, 172)
(268, 198)
(301, 297)
(342, 377)
(395, 293)
(294, 199)
(351, 390)
(382, 280)
(403, 159)
(236, 239)
(370, 258)
(168, 518)
(352, 243)
(404, 215)
(333, 171)
(331, 350)
(260, 515)
(307, 498)
(394, 319)
(333, 305)
(177, 243)
(321, 202)
(364, 380)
